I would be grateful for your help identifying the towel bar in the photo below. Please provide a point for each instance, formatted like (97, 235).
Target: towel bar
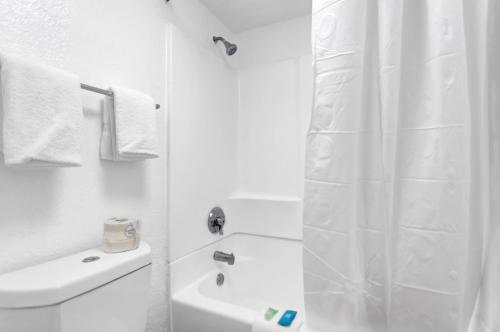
(101, 91)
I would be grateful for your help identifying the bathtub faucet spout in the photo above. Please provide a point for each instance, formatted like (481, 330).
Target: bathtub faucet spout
(223, 257)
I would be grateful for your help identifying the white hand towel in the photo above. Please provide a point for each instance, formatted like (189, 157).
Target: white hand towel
(42, 118)
(129, 127)
(260, 323)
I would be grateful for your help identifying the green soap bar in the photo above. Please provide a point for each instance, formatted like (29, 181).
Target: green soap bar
(270, 313)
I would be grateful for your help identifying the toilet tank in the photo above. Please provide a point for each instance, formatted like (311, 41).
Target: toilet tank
(91, 291)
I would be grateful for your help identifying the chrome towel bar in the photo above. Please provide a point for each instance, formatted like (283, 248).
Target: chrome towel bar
(102, 91)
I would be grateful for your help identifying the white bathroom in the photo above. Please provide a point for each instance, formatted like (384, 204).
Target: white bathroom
(249, 165)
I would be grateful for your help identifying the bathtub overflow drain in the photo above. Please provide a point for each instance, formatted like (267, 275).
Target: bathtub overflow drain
(220, 279)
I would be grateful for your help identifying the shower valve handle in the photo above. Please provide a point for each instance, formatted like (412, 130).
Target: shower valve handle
(219, 223)
(216, 221)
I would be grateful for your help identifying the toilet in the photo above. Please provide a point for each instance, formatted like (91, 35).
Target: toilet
(91, 291)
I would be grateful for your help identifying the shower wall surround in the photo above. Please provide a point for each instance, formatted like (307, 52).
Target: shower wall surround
(275, 89)
(275, 97)
(237, 131)
(202, 145)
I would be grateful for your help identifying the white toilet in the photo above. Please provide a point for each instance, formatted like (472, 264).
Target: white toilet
(88, 292)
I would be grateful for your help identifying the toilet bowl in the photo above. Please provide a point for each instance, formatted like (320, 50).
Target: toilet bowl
(91, 291)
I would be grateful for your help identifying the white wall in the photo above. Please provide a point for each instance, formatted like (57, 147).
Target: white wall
(46, 214)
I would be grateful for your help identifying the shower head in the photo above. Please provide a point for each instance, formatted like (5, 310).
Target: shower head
(230, 47)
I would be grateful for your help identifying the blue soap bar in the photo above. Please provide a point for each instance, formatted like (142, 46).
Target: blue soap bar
(287, 318)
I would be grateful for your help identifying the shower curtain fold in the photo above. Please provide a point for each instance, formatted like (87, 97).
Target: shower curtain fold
(401, 164)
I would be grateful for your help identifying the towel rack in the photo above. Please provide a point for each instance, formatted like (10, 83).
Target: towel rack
(102, 91)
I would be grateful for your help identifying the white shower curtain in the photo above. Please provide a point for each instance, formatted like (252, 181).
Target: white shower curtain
(400, 207)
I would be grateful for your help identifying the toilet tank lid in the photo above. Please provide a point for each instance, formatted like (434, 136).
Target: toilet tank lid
(64, 278)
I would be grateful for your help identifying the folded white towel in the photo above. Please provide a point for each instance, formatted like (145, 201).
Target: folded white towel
(129, 127)
(260, 323)
(42, 118)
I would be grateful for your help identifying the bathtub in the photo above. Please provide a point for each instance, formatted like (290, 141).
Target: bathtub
(267, 272)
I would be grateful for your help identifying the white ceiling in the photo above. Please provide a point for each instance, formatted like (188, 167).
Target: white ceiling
(241, 15)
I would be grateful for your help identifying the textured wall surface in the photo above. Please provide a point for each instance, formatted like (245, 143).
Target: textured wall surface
(45, 214)
(36, 28)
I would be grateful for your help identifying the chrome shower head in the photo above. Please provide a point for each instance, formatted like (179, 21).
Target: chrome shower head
(230, 47)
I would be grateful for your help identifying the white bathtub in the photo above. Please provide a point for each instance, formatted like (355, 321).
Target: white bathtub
(267, 272)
